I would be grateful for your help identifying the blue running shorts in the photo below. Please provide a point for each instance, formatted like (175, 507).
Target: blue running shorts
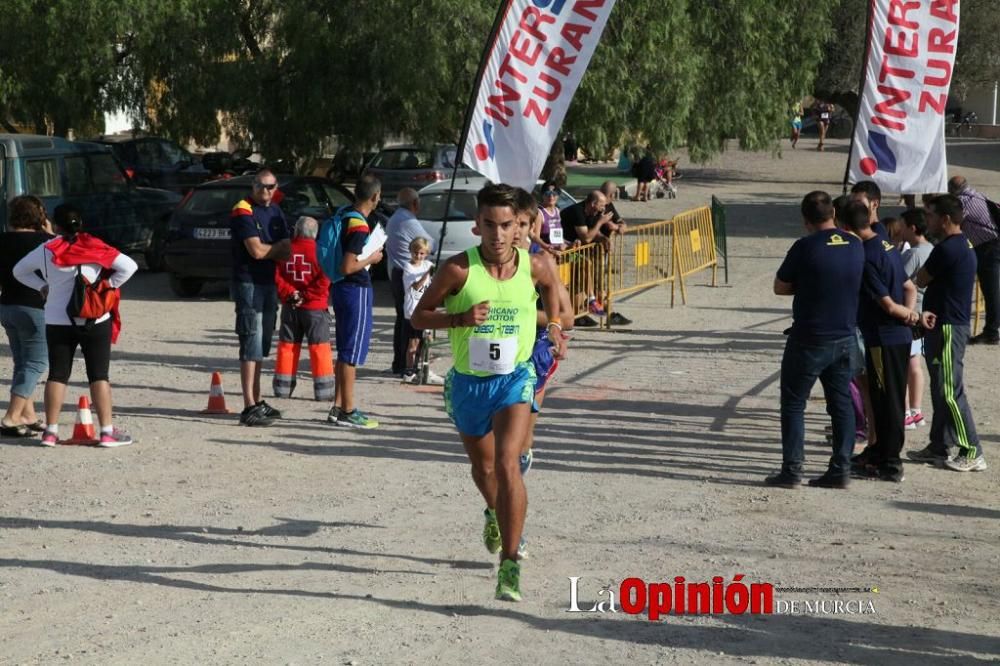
(472, 401)
(352, 309)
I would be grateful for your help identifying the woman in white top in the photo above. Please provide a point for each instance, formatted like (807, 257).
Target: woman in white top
(52, 269)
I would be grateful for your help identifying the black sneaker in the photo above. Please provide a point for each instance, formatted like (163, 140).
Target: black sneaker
(333, 415)
(892, 475)
(618, 319)
(863, 458)
(254, 416)
(584, 322)
(983, 339)
(830, 481)
(783, 480)
(269, 411)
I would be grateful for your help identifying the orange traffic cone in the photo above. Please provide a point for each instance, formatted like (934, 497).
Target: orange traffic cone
(216, 397)
(83, 431)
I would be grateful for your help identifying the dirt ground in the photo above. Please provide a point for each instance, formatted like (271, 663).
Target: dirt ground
(304, 544)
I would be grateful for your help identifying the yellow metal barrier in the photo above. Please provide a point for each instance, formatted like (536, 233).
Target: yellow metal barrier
(978, 305)
(694, 239)
(642, 257)
(580, 270)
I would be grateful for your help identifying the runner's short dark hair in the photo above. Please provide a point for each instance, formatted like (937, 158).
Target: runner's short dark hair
(497, 195)
(870, 189)
(948, 204)
(817, 207)
(526, 202)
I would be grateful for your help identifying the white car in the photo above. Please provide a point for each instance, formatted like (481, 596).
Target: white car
(461, 213)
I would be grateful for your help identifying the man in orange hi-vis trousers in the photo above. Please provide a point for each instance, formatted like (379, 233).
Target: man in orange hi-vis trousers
(304, 290)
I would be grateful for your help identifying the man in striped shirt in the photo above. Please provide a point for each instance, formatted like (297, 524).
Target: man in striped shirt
(980, 228)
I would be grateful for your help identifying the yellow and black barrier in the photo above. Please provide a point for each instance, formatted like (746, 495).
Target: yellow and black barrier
(644, 256)
(580, 270)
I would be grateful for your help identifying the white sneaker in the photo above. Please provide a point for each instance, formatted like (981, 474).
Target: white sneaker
(434, 379)
(411, 378)
(965, 464)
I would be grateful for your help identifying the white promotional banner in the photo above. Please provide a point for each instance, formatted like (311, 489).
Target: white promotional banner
(899, 138)
(533, 68)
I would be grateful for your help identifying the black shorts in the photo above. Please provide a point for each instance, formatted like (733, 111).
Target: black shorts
(95, 342)
(410, 333)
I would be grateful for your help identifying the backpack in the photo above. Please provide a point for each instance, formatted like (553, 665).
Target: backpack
(329, 250)
(91, 301)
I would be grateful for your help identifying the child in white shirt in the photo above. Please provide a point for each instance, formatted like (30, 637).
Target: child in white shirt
(416, 278)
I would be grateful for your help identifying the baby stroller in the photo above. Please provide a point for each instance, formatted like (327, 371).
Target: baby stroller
(664, 186)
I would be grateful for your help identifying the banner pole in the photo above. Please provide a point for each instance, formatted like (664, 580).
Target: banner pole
(467, 121)
(861, 89)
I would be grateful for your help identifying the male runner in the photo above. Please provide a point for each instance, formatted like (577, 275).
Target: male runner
(541, 356)
(489, 296)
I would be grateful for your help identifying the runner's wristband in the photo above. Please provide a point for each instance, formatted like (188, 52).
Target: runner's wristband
(556, 324)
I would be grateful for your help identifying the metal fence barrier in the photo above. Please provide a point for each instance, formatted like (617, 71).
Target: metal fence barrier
(580, 269)
(642, 257)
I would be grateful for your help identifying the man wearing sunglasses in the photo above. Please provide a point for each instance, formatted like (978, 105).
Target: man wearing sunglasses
(259, 237)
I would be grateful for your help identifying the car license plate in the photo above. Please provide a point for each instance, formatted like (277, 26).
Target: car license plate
(206, 234)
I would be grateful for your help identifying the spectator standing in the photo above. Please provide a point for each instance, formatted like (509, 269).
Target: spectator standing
(416, 278)
(914, 232)
(304, 291)
(884, 316)
(352, 303)
(610, 191)
(402, 229)
(645, 173)
(546, 230)
(981, 228)
(22, 315)
(259, 237)
(822, 272)
(52, 269)
(949, 275)
(869, 193)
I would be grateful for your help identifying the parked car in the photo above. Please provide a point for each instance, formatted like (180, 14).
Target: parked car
(461, 213)
(198, 246)
(414, 166)
(132, 219)
(157, 162)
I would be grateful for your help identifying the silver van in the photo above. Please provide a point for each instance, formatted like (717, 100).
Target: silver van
(132, 219)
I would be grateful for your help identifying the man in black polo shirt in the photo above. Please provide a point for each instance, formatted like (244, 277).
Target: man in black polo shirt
(823, 272)
(884, 316)
(588, 221)
(949, 275)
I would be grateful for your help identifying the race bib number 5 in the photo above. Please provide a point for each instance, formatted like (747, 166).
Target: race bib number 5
(496, 356)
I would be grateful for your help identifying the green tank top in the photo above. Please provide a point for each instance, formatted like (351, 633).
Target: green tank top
(506, 338)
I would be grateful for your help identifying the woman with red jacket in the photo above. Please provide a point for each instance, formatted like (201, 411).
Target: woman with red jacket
(52, 269)
(304, 291)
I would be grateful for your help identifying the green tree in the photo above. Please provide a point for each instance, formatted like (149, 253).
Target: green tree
(286, 74)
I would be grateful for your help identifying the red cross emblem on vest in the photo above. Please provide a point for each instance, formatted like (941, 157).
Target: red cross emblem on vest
(298, 267)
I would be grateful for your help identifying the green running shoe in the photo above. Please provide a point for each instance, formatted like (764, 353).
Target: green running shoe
(509, 581)
(491, 532)
(356, 419)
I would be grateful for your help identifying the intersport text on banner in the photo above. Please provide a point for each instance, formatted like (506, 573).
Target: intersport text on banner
(899, 137)
(533, 68)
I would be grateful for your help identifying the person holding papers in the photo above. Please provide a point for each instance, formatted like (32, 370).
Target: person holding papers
(352, 303)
